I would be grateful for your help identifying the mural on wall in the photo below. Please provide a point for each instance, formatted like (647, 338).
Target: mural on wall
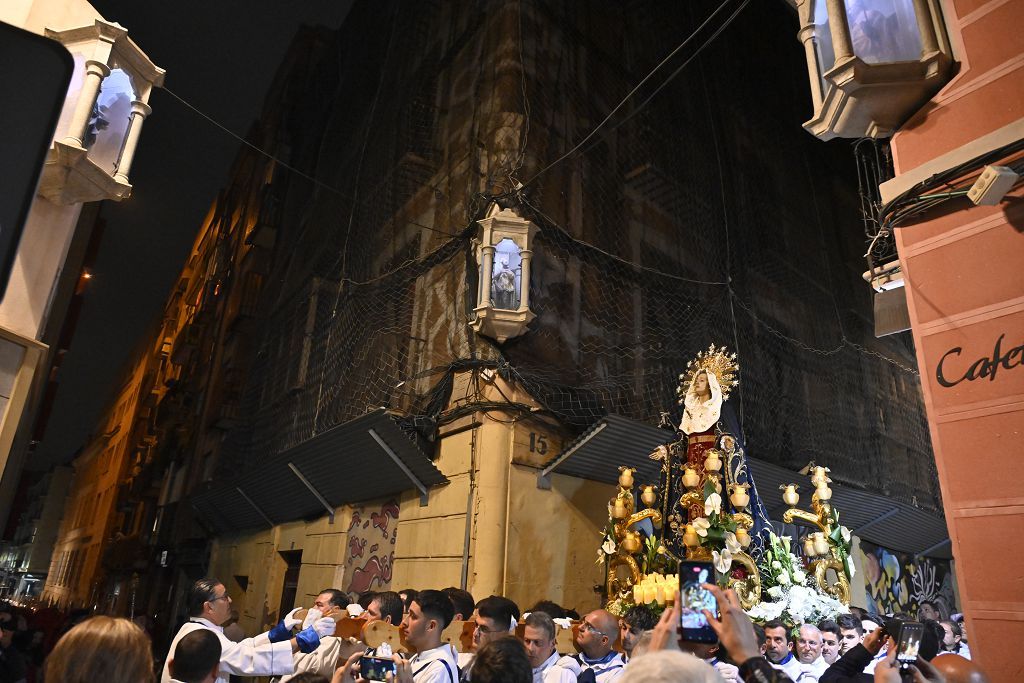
(371, 546)
(896, 583)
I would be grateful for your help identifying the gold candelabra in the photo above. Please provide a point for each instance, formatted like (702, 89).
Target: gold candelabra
(819, 544)
(627, 540)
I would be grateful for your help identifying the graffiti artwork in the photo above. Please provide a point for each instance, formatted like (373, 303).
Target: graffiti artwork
(896, 583)
(371, 547)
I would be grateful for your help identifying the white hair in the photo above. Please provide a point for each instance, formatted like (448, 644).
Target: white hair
(669, 666)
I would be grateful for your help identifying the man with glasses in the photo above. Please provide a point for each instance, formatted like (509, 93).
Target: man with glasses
(599, 662)
(495, 616)
(268, 654)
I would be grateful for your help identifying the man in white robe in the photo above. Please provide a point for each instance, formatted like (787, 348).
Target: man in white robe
(268, 654)
(539, 639)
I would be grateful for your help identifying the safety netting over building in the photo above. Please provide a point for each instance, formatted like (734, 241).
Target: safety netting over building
(699, 213)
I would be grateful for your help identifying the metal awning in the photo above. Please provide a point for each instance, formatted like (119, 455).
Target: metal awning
(614, 441)
(366, 458)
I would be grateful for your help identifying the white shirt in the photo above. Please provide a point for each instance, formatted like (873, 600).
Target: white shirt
(790, 665)
(435, 666)
(323, 660)
(551, 672)
(810, 673)
(244, 658)
(606, 669)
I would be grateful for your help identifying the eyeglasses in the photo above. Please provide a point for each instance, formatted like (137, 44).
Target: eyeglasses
(220, 597)
(587, 626)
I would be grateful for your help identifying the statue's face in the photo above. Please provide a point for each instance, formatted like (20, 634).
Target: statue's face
(700, 384)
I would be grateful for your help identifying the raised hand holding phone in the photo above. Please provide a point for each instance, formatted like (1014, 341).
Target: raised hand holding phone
(732, 625)
(696, 601)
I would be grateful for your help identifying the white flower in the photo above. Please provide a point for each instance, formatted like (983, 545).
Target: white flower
(776, 565)
(701, 526)
(608, 546)
(723, 561)
(845, 534)
(783, 578)
(713, 504)
(775, 592)
(731, 543)
(799, 576)
(849, 566)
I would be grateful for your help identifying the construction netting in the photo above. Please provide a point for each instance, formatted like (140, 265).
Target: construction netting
(699, 213)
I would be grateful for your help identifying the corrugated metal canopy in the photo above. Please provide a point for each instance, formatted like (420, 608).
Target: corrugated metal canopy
(614, 441)
(362, 459)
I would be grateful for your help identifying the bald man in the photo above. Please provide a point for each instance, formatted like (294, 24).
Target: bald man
(956, 669)
(599, 662)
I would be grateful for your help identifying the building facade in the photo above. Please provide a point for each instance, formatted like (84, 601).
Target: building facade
(88, 161)
(335, 418)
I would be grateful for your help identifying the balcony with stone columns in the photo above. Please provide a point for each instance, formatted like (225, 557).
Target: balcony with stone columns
(99, 128)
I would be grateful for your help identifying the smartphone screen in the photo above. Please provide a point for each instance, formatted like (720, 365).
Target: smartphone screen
(909, 642)
(375, 668)
(693, 625)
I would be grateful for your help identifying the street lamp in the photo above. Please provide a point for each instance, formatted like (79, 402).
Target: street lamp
(504, 256)
(872, 63)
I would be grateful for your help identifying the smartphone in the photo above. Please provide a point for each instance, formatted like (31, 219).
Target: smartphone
(694, 599)
(908, 642)
(376, 668)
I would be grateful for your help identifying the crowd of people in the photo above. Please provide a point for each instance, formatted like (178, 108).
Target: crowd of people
(507, 646)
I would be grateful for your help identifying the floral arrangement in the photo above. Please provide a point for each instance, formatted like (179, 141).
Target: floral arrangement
(790, 596)
(717, 531)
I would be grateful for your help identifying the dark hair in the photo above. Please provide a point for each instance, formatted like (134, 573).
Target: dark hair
(641, 617)
(435, 605)
(552, 609)
(776, 623)
(759, 633)
(850, 623)
(462, 601)
(953, 626)
(390, 605)
(829, 626)
(195, 656)
(860, 613)
(543, 621)
(931, 640)
(499, 609)
(338, 597)
(201, 592)
(502, 660)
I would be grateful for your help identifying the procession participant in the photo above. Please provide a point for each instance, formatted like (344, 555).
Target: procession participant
(927, 611)
(209, 606)
(462, 601)
(196, 658)
(808, 654)
(779, 650)
(952, 641)
(669, 666)
(539, 639)
(637, 621)
(502, 660)
(102, 649)
(495, 616)
(598, 661)
(324, 659)
(430, 612)
(830, 637)
(851, 632)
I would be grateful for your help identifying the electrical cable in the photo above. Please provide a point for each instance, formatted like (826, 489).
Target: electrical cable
(635, 89)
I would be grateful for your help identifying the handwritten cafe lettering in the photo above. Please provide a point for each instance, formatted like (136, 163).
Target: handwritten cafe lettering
(983, 367)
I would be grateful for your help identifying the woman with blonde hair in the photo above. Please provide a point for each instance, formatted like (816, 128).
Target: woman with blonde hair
(101, 650)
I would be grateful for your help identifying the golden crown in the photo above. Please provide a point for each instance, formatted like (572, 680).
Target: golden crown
(717, 361)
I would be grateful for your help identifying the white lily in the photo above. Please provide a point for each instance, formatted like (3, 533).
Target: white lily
(845, 534)
(731, 543)
(608, 546)
(701, 526)
(723, 561)
(776, 564)
(713, 504)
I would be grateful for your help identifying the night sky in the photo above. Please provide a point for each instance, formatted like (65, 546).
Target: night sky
(220, 56)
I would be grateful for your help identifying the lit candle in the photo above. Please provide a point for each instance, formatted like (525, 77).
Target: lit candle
(638, 594)
(690, 538)
(690, 478)
(739, 496)
(823, 491)
(790, 496)
(659, 595)
(650, 594)
(821, 544)
(619, 509)
(809, 547)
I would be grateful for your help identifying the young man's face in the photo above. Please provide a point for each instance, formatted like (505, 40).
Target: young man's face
(829, 646)
(848, 640)
(926, 611)
(372, 613)
(630, 635)
(778, 644)
(538, 646)
(417, 626)
(487, 630)
(949, 640)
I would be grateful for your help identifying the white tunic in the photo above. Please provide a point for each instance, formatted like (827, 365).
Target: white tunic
(244, 658)
(551, 672)
(606, 669)
(435, 666)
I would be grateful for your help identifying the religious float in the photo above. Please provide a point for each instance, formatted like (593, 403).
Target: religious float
(706, 507)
